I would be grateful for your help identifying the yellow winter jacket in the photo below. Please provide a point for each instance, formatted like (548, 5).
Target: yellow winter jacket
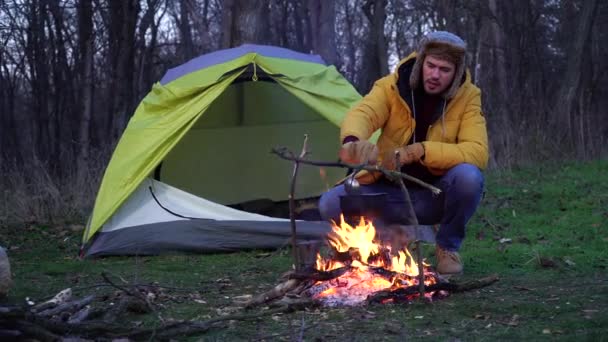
(458, 136)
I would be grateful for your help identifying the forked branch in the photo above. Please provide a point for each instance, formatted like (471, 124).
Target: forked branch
(285, 153)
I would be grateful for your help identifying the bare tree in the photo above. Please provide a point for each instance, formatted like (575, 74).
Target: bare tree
(565, 106)
(376, 47)
(72, 72)
(323, 36)
(243, 22)
(123, 18)
(186, 45)
(85, 70)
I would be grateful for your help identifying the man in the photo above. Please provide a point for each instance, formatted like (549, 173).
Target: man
(430, 112)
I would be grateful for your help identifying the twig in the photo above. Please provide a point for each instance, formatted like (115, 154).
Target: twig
(123, 289)
(284, 153)
(135, 294)
(292, 204)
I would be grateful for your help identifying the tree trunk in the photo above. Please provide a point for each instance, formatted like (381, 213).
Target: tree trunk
(227, 19)
(123, 18)
(302, 42)
(448, 16)
(570, 83)
(8, 123)
(323, 38)
(37, 59)
(350, 57)
(85, 69)
(185, 30)
(244, 22)
(376, 59)
(65, 123)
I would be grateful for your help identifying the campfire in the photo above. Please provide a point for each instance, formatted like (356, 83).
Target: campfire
(359, 267)
(366, 265)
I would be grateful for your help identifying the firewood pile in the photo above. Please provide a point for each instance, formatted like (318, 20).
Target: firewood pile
(107, 315)
(296, 289)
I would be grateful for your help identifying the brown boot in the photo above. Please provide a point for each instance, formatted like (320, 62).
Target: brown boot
(448, 262)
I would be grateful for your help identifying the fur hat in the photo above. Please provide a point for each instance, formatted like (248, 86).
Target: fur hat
(444, 45)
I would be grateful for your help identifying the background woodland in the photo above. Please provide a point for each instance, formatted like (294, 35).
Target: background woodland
(73, 71)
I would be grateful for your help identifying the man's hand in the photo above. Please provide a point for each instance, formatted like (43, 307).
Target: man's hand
(359, 152)
(407, 155)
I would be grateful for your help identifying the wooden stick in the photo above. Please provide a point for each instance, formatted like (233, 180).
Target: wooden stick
(292, 204)
(420, 268)
(412, 214)
(284, 153)
(273, 293)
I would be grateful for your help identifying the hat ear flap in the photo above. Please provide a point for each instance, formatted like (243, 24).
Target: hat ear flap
(416, 71)
(460, 70)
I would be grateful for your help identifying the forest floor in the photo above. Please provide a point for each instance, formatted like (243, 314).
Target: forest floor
(543, 231)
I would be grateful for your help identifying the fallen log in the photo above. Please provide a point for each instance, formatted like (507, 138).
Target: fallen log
(80, 315)
(72, 306)
(275, 292)
(61, 297)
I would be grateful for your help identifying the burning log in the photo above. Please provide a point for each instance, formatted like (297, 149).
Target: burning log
(405, 294)
(347, 256)
(317, 275)
(383, 272)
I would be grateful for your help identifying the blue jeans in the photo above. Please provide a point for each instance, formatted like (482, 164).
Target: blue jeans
(461, 187)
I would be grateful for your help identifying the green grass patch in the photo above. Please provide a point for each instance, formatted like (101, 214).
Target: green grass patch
(544, 231)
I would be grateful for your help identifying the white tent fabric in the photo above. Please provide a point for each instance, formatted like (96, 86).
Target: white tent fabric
(158, 218)
(141, 208)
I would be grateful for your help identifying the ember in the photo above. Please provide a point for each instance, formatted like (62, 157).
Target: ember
(372, 266)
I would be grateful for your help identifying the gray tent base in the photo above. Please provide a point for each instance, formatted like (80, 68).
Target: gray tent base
(202, 236)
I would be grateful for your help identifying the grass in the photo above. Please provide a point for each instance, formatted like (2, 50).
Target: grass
(544, 231)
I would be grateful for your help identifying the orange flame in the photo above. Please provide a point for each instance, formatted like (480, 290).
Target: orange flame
(360, 240)
(367, 258)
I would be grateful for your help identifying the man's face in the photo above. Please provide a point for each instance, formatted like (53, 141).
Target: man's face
(437, 74)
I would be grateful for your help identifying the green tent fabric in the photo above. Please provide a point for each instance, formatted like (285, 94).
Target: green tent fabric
(181, 103)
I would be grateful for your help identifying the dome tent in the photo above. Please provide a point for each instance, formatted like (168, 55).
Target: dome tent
(200, 141)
